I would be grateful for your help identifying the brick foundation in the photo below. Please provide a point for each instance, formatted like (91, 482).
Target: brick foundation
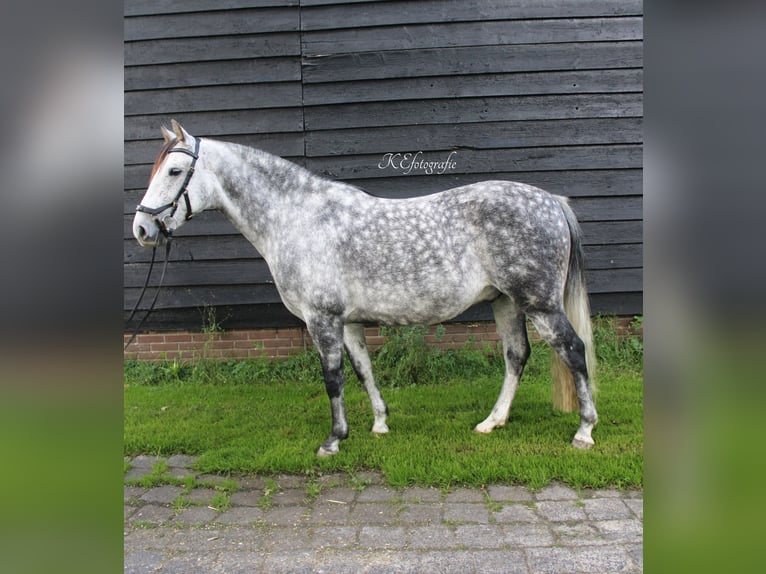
(281, 343)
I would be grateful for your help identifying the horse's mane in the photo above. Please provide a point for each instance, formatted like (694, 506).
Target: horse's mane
(168, 145)
(161, 156)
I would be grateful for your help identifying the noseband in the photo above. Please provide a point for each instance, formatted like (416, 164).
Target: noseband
(173, 205)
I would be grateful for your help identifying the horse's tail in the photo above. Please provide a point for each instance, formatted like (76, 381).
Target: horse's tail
(577, 310)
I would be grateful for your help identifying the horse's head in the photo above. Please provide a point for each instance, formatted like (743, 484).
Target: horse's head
(174, 193)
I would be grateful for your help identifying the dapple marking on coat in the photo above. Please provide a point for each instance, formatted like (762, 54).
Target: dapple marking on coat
(342, 258)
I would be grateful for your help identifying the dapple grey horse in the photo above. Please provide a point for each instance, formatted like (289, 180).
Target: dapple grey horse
(342, 258)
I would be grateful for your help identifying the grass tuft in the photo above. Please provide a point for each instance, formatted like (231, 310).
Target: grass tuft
(220, 501)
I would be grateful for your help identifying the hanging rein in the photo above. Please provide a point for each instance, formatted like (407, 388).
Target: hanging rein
(167, 232)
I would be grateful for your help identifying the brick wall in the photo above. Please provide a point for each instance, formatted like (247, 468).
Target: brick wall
(281, 343)
(277, 343)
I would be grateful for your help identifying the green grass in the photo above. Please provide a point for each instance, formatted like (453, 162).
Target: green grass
(261, 417)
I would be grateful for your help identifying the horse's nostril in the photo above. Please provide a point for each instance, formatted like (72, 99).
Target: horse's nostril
(141, 232)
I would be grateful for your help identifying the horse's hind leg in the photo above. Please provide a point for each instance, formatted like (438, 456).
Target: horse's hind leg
(511, 328)
(356, 347)
(327, 333)
(558, 332)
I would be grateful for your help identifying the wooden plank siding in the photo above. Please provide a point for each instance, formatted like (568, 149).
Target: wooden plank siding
(547, 93)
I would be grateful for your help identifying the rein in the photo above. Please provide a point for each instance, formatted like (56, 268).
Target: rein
(143, 291)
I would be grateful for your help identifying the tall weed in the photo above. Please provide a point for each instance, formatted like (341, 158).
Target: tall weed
(406, 359)
(622, 351)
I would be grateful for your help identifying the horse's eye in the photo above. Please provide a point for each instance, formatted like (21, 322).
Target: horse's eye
(175, 171)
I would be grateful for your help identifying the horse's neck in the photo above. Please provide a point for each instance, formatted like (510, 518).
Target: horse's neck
(258, 187)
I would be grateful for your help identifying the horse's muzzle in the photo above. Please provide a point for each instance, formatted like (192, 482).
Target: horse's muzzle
(146, 231)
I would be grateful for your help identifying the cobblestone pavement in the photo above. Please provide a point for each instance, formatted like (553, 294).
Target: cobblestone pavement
(338, 524)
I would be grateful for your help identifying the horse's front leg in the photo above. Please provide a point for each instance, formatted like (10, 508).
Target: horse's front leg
(353, 339)
(327, 333)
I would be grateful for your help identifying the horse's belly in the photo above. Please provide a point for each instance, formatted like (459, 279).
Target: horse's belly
(399, 305)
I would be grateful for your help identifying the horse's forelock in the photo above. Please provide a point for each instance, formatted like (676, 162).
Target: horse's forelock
(161, 157)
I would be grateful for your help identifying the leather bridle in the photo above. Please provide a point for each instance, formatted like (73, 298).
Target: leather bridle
(167, 232)
(183, 192)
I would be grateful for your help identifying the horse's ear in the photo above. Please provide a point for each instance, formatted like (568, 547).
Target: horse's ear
(167, 135)
(181, 134)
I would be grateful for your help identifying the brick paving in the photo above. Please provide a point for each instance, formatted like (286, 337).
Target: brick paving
(336, 525)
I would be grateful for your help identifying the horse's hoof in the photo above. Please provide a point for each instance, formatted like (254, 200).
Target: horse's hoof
(583, 443)
(380, 428)
(486, 427)
(326, 453)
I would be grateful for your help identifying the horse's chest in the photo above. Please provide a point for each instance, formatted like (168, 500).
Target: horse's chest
(307, 281)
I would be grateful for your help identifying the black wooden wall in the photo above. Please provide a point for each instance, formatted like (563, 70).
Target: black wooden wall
(548, 93)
